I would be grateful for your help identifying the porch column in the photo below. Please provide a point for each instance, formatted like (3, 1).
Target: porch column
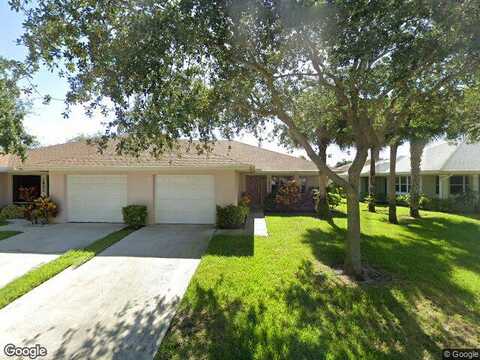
(269, 184)
(444, 186)
(476, 183)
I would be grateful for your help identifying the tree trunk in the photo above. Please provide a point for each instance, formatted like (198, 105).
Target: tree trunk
(392, 195)
(353, 261)
(372, 189)
(416, 151)
(323, 207)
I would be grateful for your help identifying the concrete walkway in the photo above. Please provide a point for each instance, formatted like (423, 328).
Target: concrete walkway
(259, 224)
(116, 306)
(40, 244)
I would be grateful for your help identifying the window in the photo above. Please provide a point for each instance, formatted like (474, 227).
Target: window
(403, 184)
(31, 182)
(437, 185)
(459, 184)
(278, 181)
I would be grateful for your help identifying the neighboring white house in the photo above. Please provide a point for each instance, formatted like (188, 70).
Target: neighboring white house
(447, 169)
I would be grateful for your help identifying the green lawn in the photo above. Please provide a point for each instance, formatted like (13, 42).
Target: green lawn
(7, 234)
(279, 298)
(20, 286)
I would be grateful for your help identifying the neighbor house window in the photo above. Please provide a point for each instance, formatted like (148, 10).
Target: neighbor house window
(437, 185)
(459, 184)
(278, 181)
(403, 184)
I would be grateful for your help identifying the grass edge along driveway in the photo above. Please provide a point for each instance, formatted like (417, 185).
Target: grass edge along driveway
(8, 234)
(75, 257)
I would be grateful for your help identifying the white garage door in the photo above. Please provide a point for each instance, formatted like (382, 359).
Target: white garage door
(96, 198)
(185, 199)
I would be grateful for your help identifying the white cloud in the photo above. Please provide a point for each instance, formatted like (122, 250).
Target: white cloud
(47, 123)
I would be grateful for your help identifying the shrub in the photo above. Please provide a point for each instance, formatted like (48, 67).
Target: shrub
(231, 216)
(135, 216)
(13, 212)
(42, 209)
(334, 197)
(403, 200)
(288, 195)
(270, 203)
(245, 200)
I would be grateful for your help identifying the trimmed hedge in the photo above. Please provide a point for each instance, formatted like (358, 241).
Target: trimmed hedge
(135, 216)
(13, 212)
(231, 216)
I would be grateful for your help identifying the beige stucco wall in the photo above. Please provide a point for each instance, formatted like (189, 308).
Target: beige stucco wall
(141, 191)
(57, 185)
(141, 188)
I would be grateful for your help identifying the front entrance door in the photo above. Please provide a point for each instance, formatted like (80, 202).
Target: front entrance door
(257, 188)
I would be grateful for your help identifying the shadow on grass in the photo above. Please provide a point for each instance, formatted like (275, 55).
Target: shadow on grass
(314, 317)
(228, 245)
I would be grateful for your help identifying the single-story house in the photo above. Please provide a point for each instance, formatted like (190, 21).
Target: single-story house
(447, 169)
(179, 187)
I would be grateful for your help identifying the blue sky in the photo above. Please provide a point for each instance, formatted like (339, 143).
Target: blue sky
(46, 121)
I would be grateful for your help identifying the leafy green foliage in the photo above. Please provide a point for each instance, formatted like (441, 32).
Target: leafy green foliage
(335, 195)
(188, 68)
(231, 216)
(135, 216)
(42, 209)
(270, 202)
(288, 196)
(282, 298)
(13, 212)
(7, 234)
(13, 137)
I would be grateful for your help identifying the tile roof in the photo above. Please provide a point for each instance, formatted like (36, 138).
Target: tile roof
(230, 154)
(444, 157)
(263, 159)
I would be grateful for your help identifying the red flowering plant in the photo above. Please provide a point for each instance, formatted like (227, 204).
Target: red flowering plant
(42, 210)
(288, 195)
(245, 200)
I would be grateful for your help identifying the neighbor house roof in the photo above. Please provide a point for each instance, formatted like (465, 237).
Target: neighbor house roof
(226, 154)
(445, 157)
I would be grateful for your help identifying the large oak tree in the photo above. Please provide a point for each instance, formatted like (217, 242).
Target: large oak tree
(188, 68)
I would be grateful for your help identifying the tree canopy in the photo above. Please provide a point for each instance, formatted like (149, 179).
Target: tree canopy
(13, 137)
(189, 68)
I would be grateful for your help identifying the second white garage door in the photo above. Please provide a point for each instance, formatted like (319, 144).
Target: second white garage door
(185, 199)
(96, 198)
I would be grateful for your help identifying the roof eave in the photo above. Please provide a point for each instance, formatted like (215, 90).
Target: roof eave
(128, 168)
(289, 171)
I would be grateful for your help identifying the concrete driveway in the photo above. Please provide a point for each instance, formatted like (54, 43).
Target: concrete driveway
(40, 244)
(116, 306)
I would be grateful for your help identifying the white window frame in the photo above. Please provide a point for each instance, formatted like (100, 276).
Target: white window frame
(403, 180)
